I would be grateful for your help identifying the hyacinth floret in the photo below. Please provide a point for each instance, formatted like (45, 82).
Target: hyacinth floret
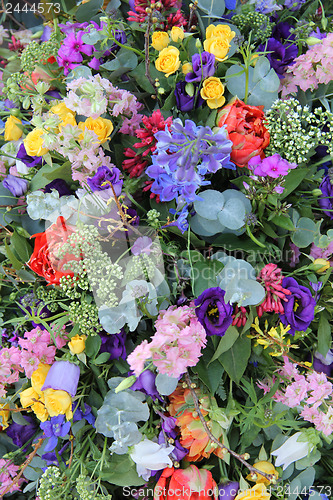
(183, 156)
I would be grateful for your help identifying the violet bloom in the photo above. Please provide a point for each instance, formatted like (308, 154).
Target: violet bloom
(228, 491)
(169, 432)
(46, 34)
(186, 102)
(212, 312)
(146, 384)
(51, 457)
(114, 344)
(60, 185)
(70, 27)
(142, 245)
(53, 429)
(203, 66)
(15, 185)
(323, 364)
(73, 43)
(68, 59)
(272, 166)
(326, 199)
(103, 177)
(29, 161)
(298, 307)
(294, 4)
(318, 34)
(20, 434)
(63, 376)
(87, 414)
(279, 55)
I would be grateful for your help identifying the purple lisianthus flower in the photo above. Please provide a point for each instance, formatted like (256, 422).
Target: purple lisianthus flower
(15, 185)
(326, 199)
(169, 431)
(280, 55)
(100, 181)
(63, 376)
(186, 102)
(298, 307)
(60, 185)
(142, 245)
(323, 364)
(114, 344)
(87, 414)
(146, 383)
(212, 312)
(228, 491)
(29, 161)
(203, 66)
(20, 434)
(282, 32)
(53, 429)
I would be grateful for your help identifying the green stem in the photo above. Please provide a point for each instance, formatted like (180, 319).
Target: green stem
(253, 238)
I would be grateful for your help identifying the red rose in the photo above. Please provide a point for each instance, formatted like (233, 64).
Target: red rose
(246, 130)
(44, 259)
(186, 484)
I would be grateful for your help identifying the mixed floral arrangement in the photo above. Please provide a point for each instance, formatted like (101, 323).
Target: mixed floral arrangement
(166, 206)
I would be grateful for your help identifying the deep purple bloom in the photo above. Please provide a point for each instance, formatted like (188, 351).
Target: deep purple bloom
(186, 102)
(323, 364)
(298, 307)
(51, 457)
(169, 431)
(212, 312)
(142, 245)
(87, 414)
(279, 55)
(100, 181)
(20, 434)
(146, 383)
(15, 185)
(228, 491)
(53, 429)
(326, 199)
(114, 344)
(203, 66)
(60, 185)
(282, 32)
(63, 376)
(29, 161)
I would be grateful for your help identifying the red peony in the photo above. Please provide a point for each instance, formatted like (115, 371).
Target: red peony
(246, 129)
(186, 484)
(44, 260)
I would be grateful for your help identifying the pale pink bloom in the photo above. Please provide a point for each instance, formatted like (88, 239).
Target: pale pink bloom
(138, 357)
(324, 421)
(310, 413)
(296, 392)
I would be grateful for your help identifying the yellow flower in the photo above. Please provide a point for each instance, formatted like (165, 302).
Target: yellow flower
(33, 143)
(264, 466)
(212, 91)
(28, 397)
(67, 119)
(258, 492)
(40, 411)
(58, 403)
(4, 415)
(187, 68)
(221, 30)
(61, 110)
(77, 344)
(177, 34)
(101, 126)
(160, 40)
(38, 377)
(168, 61)
(217, 46)
(12, 130)
(321, 265)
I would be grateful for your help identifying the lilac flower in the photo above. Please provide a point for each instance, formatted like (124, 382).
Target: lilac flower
(29, 161)
(60, 185)
(294, 4)
(100, 181)
(266, 6)
(203, 66)
(326, 199)
(186, 102)
(63, 376)
(46, 34)
(15, 185)
(279, 55)
(298, 307)
(87, 414)
(146, 384)
(317, 34)
(212, 311)
(20, 434)
(68, 59)
(181, 222)
(169, 432)
(184, 156)
(51, 457)
(228, 491)
(70, 27)
(53, 429)
(142, 245)
(114, 344)
(272, 166)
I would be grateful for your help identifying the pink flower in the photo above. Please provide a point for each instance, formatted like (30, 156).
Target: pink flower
(296, 392)
(8, 471)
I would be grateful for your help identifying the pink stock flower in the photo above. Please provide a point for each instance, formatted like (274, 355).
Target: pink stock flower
(296, 392)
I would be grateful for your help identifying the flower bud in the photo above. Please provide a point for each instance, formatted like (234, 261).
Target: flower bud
(187, 68)
(77, 344)
(312, 40)
(198, 43)
(125, 384)
(320, 265)
(317, 192)
(42, 87)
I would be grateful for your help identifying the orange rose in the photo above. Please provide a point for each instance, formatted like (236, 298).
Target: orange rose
(246, 129)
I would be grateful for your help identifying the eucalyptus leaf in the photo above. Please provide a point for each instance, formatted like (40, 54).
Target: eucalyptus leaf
(165, 384)
(213, 8)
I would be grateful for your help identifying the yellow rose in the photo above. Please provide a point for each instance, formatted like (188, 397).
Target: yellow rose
(258, 492)
(40, 411)
(177, 34)
(61, 110)
(12, 131)
(264, 466)
(320, 265)
(221, 30)
(101, 126)
(4, 415)
(33, 143)
(187, 68)
(28, 397)
(160, 40)
(67, 120)
(58, 403)
(168, 61)
(77, 344)
(212, 91)
(38, 377)
(217, 46)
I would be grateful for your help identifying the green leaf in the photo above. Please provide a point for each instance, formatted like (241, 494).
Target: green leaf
(87, 10)
(93, 345)
(324, 335)
(122, 472)
(213, 8)
(293, 180)
(204, 275)
(102, 358)
(234, 361)
(22, 247)
(226, 342)
(48, 173)
(283, 221)
(305, 232)
(11, 256)
(170, 102)
(212, 377)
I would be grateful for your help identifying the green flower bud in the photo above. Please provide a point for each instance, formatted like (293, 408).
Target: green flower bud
(125, 384)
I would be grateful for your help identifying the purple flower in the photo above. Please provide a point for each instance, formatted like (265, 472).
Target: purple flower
(299, 306)
(266, 6)
(29, 161)
(53, 429)
(146, 383)
(51, 457)
(212, 312)
(60, 185)
(318, 34)
(228, 491)
(15, 185)
(282, 32)
(87, 414)
(46, 34)
(294, 4)
(100, 181)
(73, 43)
(20, 434)
(70, 27)
(279, 55)
(203, 66)
(142, 245)
(272, 166)
(169, 431)
(68, 59)
(121, 37)
(114, 344)
(326, 199)
(63, 376)
(323, 364)
(186, 102)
